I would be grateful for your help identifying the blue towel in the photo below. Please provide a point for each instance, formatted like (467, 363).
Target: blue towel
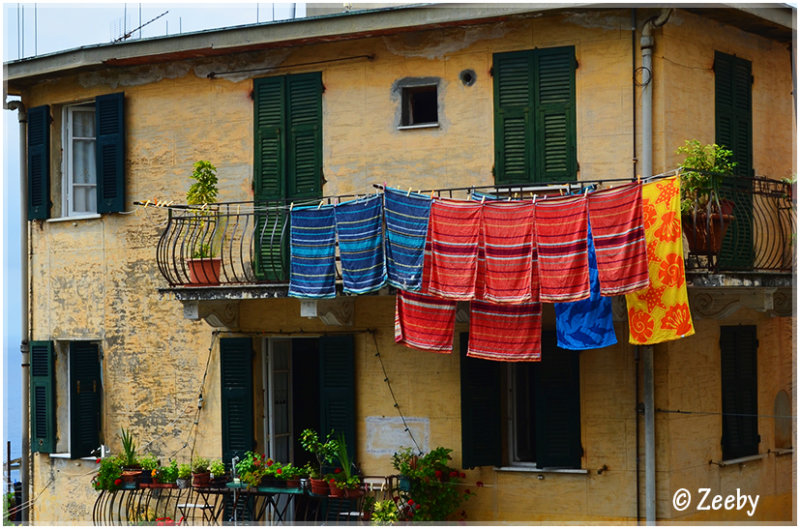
(586, 324)
(313, 253)
(406, 228)
(359, 226)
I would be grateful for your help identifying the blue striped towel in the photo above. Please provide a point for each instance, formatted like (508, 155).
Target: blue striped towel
(313, 253)
(359, 225)
(406, 227)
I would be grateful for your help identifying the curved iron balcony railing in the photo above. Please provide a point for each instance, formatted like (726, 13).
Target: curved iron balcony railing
(247, 243)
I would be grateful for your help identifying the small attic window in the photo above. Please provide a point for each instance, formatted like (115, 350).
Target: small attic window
(420, 107)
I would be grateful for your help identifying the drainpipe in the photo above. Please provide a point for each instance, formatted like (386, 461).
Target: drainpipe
(647, 44)
(24, 467)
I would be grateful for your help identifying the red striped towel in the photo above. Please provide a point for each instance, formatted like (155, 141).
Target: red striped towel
(508, 247)
(424, 322)
(505, 332)
(454, 231)
(618, 231)
(561, 239)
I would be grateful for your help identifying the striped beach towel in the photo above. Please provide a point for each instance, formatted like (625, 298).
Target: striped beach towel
(313, 251)
(561, 230)
(507, 236)
(359, 226)
(660, 312)
(406, 227)
(424, 322)
(586, 324)
(454, 231)
(506, 332)
(616, 216)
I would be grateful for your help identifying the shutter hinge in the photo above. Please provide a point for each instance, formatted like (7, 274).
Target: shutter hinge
(577, 64)
(577, 165)
(252, 95)
(323, 87)
(758, 438)
(494, 172)
(752, 80)
(491, 71)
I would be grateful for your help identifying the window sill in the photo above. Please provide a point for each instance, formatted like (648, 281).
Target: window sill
(67, 455)
(420, 126)
(76, 217)
(534, 470)
(738, 460)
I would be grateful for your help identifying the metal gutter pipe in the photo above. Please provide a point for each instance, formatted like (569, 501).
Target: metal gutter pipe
(24, 472)
(647, 43)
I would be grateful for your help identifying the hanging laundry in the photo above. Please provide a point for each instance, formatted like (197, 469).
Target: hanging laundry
(561, 230)
(586, 324)
(616, 216)
(505, 332)
(507, 240)
(313, 251)
(661, 312)
(406, 227)
(359, 226)
(454, 231)
(424, 322)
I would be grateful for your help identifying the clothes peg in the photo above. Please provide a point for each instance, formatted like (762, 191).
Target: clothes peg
(146, 202)
(586, 191)
(483, 199)
(639, 178)
(320, 204)
(409, 192)
(432, 190)
(291, 206)
(237, 208)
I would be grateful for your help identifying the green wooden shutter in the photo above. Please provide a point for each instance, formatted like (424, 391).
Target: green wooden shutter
(236, 372)
(337, 388)
(555, 135)
(39, 162)
(304, 121)
(733, 121)
(110, 152)
(85, 386)
(513, 109)
(43, 397)
(481, 436)
(558, 409)
(738, 348)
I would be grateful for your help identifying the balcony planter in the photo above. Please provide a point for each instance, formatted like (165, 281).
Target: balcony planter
(204, 271)
(202, 479)
(319, 487)
(705, 233)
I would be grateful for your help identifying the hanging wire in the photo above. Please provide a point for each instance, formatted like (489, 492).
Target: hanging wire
(391, 391)
(723, 414)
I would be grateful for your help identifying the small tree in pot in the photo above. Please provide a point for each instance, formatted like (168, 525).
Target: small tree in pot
(203, 266)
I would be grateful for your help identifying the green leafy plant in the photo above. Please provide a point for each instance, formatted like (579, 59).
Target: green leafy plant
(348, 480)
(200, 465)
(289, 471)
(385, 513)
(217, 467)
(201, 193)
(9, 502)
(435, 488)
(184, 471)
(109, 475)
(703, 169)
(148, 462)
(128, 449)
(167, 473)
(325, 452)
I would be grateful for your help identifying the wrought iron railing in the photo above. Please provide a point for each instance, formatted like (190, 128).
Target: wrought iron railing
(247, 243)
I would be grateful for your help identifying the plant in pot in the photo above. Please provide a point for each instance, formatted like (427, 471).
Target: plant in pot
(109, 474)
(203, 266)
(166, 476)
(324, 453)
(348, 480)
(148, 463)
(292, 474)
(131, 469)
(273, 475)
(201, 476)
(184, 479)
(219, 475)
(704, 216)
(251, 468)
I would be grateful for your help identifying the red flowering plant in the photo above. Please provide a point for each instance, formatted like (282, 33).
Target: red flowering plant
(252, 467)
(109, 475)
(435, 489)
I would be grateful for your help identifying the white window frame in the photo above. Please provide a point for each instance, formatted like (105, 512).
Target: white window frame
(514, 459)
(68, 181)
(269, 373)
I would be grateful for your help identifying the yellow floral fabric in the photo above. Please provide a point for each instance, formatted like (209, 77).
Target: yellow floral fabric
(660, 313)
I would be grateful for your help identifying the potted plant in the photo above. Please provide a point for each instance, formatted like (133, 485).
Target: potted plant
(184, 479)
(324, 453)
(148, 463)
(203, 266)
(348, 480)
(166, 476)
(704, 216)
(291, 474)
(201, 476)
(109, 474)
(273, 475)
(131, 469)
(219, 475)
(250, 468)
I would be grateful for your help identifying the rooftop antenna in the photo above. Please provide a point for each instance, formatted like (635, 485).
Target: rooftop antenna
(128, 34)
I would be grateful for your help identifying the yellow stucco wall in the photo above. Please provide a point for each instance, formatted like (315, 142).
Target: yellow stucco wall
(97, 279)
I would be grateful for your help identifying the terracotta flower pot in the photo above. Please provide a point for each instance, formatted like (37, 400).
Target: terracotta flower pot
(336, 492)
(201, 480)
(319, 487)
(205, 271)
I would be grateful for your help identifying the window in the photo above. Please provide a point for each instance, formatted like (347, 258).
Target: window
(66, 397)
(541, 417)
(420, 106)
(93, 168)
(288, 159)
(534, 116)
(738, 348)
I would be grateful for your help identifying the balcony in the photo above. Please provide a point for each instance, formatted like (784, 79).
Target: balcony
(243, 246)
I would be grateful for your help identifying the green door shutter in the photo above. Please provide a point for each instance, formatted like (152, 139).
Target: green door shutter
(480, 410)
(43, 397)
(110, 152)
(304, 121)
(558, 409)
(556, 156)
(733, 121)
(236, 375)
(738, 348)
(337, 388)
(513, 109)
(85, 386)
(39, 163)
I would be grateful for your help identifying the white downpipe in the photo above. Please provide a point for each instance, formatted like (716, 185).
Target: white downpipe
(647, 44)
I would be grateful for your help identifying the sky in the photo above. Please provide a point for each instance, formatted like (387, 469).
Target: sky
(37, 29)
